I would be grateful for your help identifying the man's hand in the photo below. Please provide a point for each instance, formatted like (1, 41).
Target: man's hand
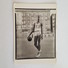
(30, 35)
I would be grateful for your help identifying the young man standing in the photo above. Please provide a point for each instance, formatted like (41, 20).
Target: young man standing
(38, 35)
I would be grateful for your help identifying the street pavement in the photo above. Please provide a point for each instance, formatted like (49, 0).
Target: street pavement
(26, 49)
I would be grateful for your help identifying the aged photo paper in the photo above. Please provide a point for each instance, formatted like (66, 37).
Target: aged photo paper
(34, 32)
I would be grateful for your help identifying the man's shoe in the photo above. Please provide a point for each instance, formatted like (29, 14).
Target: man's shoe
(38, 55)
(40, 50)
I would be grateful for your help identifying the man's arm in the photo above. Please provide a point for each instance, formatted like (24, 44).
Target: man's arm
(32, 30)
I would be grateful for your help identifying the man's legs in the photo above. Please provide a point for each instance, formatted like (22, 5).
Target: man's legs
(39, 43)
(38, 39)
(35, 41)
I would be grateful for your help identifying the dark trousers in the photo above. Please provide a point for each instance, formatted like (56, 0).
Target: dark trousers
(37, 42)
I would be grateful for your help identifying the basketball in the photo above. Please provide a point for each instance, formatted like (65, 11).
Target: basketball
(29, 38)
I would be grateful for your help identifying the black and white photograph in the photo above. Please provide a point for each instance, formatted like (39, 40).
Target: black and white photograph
(34, 33)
